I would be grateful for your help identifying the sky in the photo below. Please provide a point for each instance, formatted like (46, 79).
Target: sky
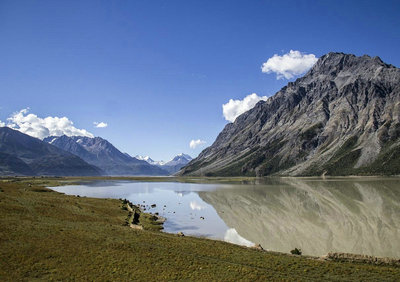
(152, 76)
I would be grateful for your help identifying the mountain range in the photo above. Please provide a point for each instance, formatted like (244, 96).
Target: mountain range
(341, 118)
(171, 166)
(21, 154)
(101, 153)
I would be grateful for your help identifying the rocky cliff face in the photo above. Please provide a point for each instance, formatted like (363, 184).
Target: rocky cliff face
(342, 117)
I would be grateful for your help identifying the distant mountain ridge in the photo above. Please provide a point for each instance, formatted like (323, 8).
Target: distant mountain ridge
(101, 153)
(171, 166)
(149, 160)
(21, 154)
(341, 118)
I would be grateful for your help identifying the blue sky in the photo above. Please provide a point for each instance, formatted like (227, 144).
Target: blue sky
(158, 72)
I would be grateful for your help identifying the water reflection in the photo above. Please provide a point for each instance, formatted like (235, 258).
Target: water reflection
(318, 216)
(356, 216)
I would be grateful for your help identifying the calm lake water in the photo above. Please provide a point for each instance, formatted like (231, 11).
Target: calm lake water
(319, 216)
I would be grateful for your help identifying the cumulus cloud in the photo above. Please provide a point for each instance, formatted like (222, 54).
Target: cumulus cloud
(2, 124)
(100, 124)
(289, 65)
(232, 236)
(41, 128)
(196, 206)
(235, 108)
(195, 143)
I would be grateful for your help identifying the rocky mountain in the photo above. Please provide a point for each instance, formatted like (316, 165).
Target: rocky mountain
(171, 166)
(177, 163)
(340, 118)
(21, 154)
(101, 153)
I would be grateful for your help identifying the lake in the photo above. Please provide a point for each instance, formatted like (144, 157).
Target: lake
(353, 215)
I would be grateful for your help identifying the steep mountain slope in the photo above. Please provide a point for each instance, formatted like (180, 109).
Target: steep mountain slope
(101, 153)
(22, 154)
(11, 165)
(342, 117)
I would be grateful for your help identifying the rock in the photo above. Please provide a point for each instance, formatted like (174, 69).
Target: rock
(361, 259)
(180, 234)
(153, 205)
(258, 247)
(202, 217)
(136, 217)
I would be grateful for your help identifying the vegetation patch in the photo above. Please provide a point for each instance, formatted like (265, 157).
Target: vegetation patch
(387, 162)
(238, 168)
(342, 162)
(311, 132)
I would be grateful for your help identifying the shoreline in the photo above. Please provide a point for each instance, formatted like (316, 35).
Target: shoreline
(89, 240)
(339, 256)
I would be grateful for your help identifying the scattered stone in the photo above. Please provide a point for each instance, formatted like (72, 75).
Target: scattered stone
(153, 205)
(361, 259)
(258, 247)
(202, 217)
(180, 234)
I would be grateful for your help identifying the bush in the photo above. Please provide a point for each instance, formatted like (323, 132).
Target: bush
(296, 251)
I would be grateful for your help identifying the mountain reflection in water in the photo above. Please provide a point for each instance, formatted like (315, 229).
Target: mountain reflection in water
(318, 216)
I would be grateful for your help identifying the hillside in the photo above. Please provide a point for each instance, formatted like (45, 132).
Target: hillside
(340, 118)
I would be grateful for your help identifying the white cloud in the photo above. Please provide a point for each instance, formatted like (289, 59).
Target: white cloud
(40, 128)
(100, 124)
(289, 65)
(195, 143)
(235, 108)
(2, 124)
(232, 236)
(196, 206)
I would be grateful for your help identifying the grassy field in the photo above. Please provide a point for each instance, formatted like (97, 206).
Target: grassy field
(45, 235)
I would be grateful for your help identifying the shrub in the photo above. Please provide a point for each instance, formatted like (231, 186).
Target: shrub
(296, 251)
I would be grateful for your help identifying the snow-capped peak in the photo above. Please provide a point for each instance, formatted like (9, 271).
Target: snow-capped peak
(144, 158)
(182, 155)
(149, 160)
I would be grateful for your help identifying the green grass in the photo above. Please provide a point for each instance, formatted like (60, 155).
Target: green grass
(46, 235)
